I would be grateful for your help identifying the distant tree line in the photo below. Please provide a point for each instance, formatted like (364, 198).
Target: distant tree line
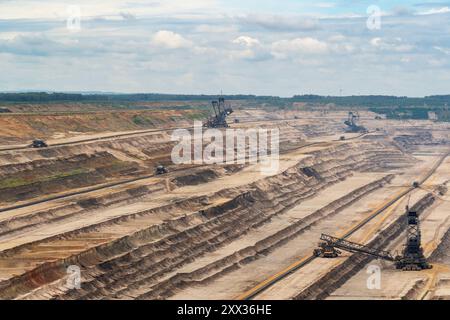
(368, 101)
(374, 101)
(393, 107)
(77, 97)
(39, 97)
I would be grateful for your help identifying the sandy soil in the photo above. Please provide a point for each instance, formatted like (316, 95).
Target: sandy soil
(224, 229)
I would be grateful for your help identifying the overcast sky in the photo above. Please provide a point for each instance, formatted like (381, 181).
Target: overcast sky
(265, 47)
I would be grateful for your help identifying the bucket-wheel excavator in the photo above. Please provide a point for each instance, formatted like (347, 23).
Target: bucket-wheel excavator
(221, 112)
(352, 125)
(412, 258)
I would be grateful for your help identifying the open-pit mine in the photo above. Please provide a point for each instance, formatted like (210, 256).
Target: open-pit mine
(355, 202)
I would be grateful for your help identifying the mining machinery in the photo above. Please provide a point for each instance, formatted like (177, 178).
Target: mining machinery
(328, 248)
(161, 170)
(221, 112)
(351, 123)
(412, 258)
(39, 144)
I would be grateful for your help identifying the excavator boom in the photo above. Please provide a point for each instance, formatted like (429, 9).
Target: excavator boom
(356, 247)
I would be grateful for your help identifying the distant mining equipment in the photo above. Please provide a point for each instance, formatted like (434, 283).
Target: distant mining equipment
(161, 170)
(412, 258)
(351, 123)
(39, 144)
(221, 112)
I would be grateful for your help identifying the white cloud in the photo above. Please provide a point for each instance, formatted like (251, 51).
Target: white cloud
(286, 48)
(435, 11)
(246, 41)
(220, 41)
(395, 45)
(376, 42)
(443, 50)
(170, 40)
(252, 49)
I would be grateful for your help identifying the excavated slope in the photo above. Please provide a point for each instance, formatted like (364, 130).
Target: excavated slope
(126, 257)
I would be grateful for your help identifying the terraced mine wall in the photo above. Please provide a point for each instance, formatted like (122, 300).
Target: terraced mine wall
(20, 128)
(213, 271)
(41, 177)
(416, 142)
(26, 174)
(339, 275)
(89, 204)
(134, 146)
(144, 263)
(79, 209)
(442, 252)
(31, 173)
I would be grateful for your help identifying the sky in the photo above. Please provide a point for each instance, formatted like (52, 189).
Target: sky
(263, 47)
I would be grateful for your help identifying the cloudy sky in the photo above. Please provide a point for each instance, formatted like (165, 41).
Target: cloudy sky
(266, 47)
